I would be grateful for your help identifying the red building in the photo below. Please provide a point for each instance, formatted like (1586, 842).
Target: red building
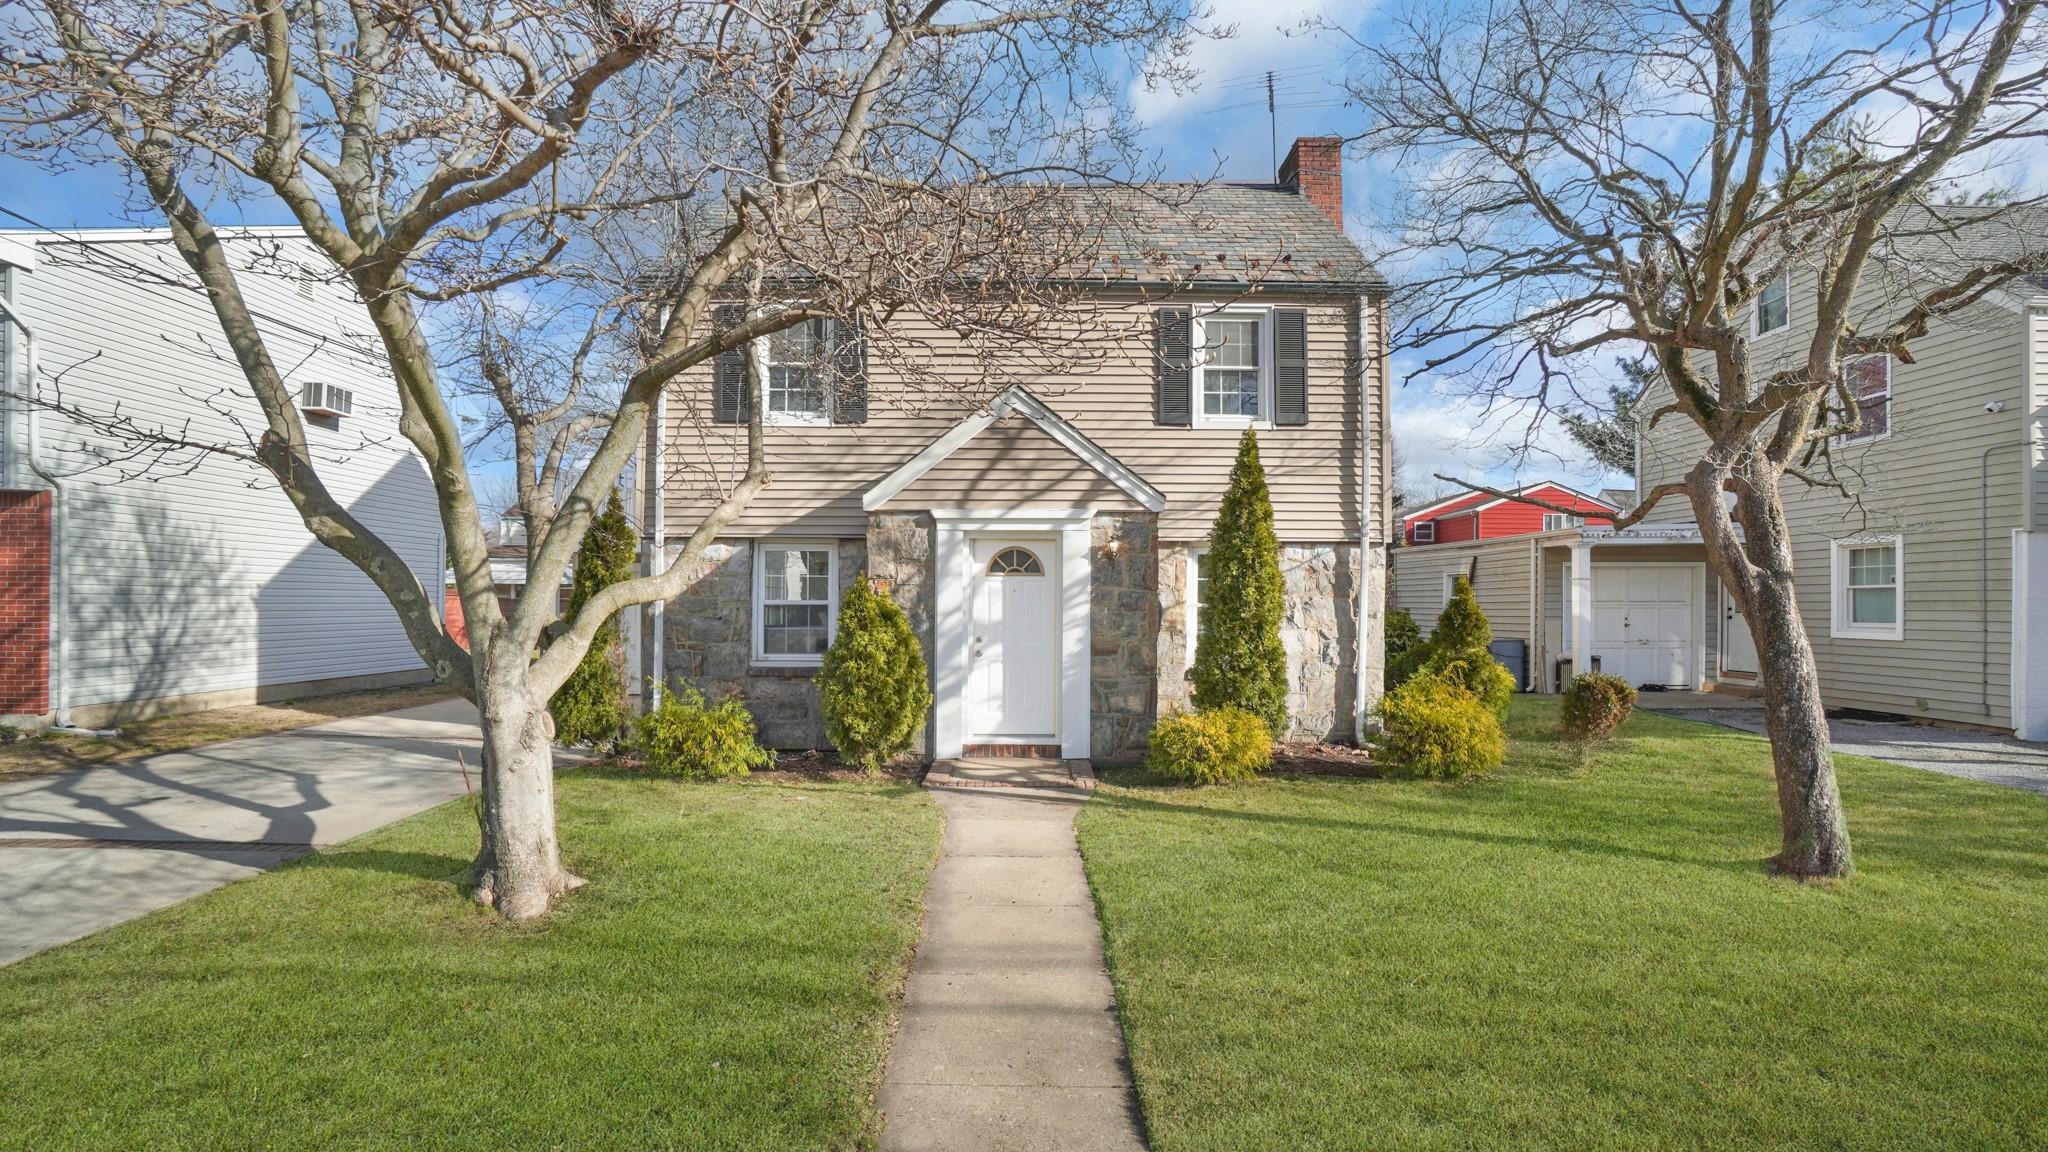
(1481, 516)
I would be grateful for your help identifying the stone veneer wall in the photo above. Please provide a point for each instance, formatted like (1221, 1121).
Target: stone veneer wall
(1123, 661)
(1318, 628)
(899, 553)
(711, 644)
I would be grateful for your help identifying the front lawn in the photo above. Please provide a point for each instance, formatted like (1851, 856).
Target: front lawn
(1549, 960)
(725, 980)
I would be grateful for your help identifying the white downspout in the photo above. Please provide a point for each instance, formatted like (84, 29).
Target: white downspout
(60, 591)
(1365, 606)
(654, 509)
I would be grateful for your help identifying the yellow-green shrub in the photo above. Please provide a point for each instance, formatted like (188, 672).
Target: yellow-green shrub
(1211, 747)
(686, 737)
(1434, 728)
(1478, 673)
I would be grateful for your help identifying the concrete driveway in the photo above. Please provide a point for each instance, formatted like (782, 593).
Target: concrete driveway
(87, 849)
(1984, 756)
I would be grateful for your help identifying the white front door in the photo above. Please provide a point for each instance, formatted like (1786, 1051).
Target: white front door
(1013, 672)
(1643, 622)
(1738, 646)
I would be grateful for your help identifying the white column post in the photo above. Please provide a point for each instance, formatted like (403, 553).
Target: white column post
(1582, 607)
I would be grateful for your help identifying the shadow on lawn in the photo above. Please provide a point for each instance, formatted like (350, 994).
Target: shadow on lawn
(433, 866)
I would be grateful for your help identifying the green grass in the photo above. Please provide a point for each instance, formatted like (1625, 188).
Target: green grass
(725, 980)
(1544, 959)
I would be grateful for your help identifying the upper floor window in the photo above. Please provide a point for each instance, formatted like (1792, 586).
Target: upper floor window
(1870, 381)
(797, 374)
(1555, 520)
(1233, 367)
(1425, 532)
(1869, 589)
(1774, 305)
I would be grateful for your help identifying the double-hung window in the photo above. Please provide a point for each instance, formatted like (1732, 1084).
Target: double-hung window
(1425, 532)
(1774, 305)
(1870, 381)
(798, 374)
(1234, 367)
(1869, 585)
(1198, 598)
(796, 596)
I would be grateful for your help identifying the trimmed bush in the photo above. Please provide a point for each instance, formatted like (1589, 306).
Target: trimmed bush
(1486, 678)
(1402, 633)
(1239, 662)
(686, 737)
(1221, 745)
(873, 687)
(1595, 704)
(1432, 728)
(590, 706)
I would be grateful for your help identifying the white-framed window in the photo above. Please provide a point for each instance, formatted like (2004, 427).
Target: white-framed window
(796, 364)
(1425, 532)
(1868, 574)
(1869, 380)
(1233, 368)
(1552, 521)
(1198, 597)
(1451, 586)
(1773, 306)
(796, 600)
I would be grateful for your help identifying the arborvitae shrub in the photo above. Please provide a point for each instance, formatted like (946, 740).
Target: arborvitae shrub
(590, 706)
(1213, 747)
(1594, 705)
(1433, 728)
(873, 687)
(686, 737)
(1458, 651)
(1239, 661)
(1402, 633)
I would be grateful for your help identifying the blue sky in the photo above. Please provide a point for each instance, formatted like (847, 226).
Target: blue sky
(1220, 129)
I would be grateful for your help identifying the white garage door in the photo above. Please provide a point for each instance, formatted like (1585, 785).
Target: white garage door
(1644, 620)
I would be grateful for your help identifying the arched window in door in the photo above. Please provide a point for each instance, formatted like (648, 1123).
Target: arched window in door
(1015, 562)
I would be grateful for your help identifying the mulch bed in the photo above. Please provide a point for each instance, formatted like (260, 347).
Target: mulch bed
(813, 765)
(1317, 759)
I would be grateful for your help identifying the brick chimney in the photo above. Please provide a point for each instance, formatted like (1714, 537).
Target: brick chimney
(1314, 168)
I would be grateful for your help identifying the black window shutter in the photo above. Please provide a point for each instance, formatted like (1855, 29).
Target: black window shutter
(1290, 366)
(1171, 377)
(850, 372)
(730, 395)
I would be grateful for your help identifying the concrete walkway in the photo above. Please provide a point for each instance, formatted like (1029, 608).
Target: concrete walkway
(1009, 1040)
(86, 849)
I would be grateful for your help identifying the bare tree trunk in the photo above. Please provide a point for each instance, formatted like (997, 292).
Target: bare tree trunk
(519, 862)
(1814, 836)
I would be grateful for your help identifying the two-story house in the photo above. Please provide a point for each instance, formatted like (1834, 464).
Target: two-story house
(137, 578)
(1047, 542)
(1483, 516)
(1923, 581)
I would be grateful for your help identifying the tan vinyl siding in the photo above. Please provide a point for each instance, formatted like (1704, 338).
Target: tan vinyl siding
(1015, 464)
(821, 472)
(1924, 482)
(1500, 583)
(2037, 411)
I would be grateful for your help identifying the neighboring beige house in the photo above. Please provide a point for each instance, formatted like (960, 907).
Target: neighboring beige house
(1924, 596)
(1045, 541)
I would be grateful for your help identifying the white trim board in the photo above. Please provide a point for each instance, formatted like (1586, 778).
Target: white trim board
(1015, 399)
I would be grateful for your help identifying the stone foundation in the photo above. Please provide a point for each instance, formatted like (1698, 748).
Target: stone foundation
(1318, 628)
(710, 645)
(1123, 660)
(899, 557)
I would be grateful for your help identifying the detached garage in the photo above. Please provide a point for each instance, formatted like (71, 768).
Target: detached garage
(1642, 601)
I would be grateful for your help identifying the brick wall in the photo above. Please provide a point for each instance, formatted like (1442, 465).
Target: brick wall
(451, 615)
(24, 603)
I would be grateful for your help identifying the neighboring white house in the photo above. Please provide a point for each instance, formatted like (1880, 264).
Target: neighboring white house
(188, 581)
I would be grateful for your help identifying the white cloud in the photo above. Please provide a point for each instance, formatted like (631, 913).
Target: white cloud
(1269, 35)
(1439, 429)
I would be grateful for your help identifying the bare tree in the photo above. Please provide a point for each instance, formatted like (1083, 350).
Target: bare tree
(642, 160)
(1581, 178)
